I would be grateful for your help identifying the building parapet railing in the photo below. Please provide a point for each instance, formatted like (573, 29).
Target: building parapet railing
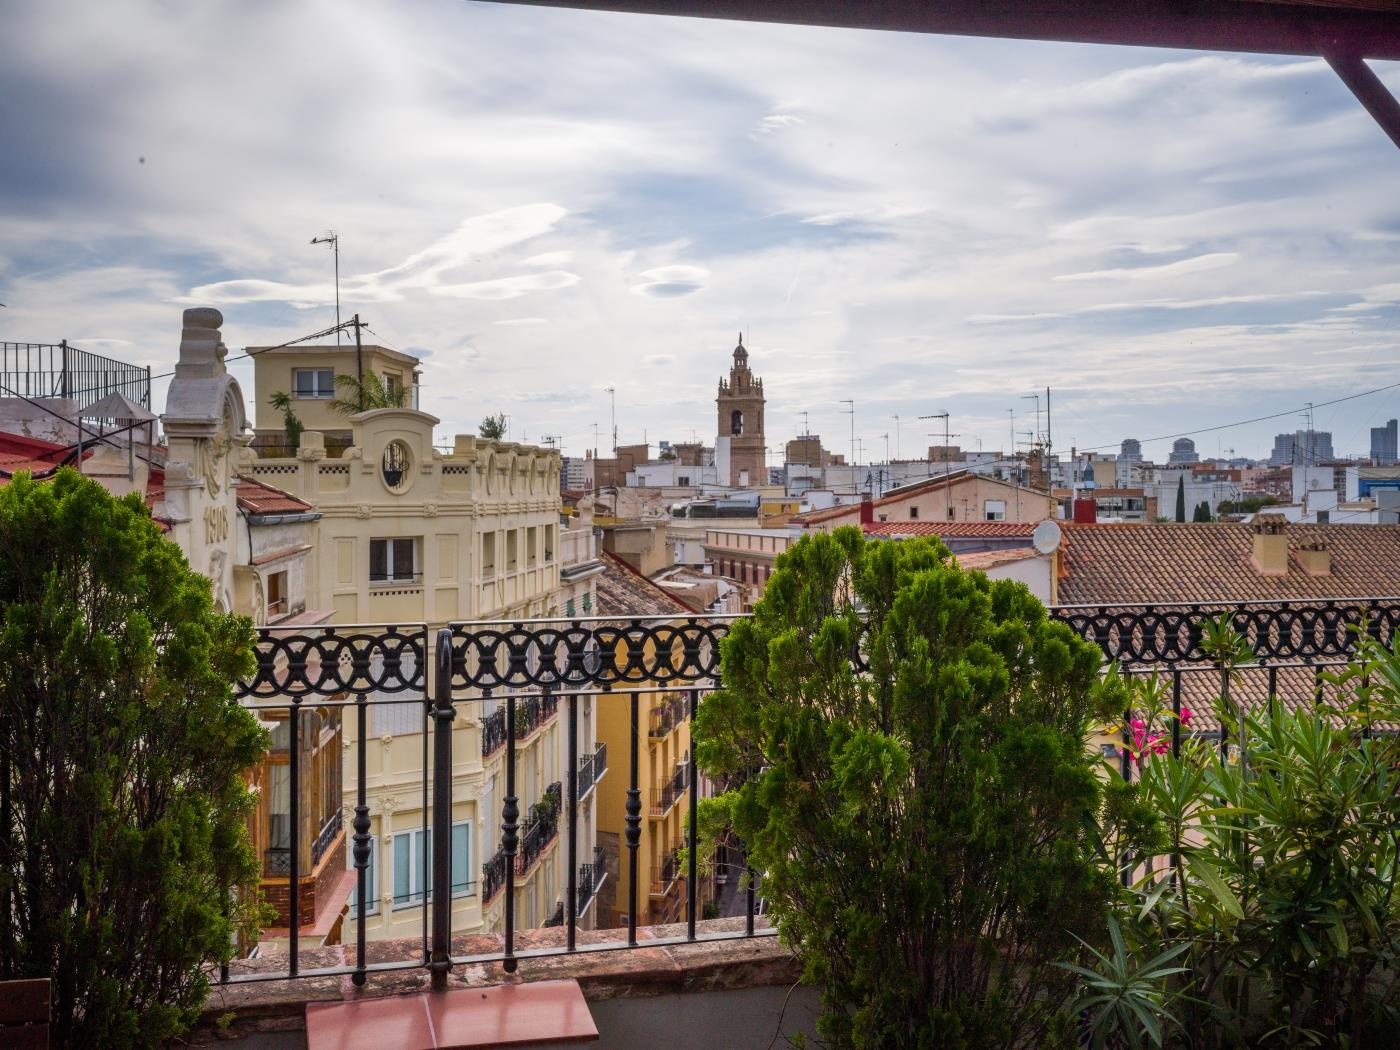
(59, 370)
(591, 770)
(303, 670)
(590, 878)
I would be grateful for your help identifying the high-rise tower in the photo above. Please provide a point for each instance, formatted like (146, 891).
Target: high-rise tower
(740, 404)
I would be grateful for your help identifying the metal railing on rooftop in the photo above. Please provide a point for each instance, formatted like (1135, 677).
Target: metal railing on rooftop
(529, 673)
(58, 370)
(535, 669)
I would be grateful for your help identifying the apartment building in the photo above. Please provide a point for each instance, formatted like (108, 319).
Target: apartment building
(410, 535)
(307, 374)
(664, 768)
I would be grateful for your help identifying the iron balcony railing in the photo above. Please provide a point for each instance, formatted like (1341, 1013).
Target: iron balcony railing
(667, 871)
(665, 797)
(557, 919)
(277, 860)
(541, 832)
(666, 715)
(591, 878)
(533, 713)
(630, 663)
(591, 770)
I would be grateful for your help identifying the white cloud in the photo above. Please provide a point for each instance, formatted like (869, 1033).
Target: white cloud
(775, 122)
(1209, 261)
(671, 282)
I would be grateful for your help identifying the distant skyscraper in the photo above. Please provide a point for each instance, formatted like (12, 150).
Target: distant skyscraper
(1383, 444)
(1131, 452)
(1302, 448)
(1183, 453)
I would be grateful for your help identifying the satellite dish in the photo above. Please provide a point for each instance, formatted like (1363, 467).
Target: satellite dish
(1046, 537)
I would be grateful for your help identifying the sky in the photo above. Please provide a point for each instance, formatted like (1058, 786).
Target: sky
(544, 204)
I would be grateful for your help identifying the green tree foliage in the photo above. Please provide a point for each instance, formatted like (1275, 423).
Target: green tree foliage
(1247, 505)
(1202, 512)
(291, 425)
(364, 394)
(125, 749)
(493, 428)
(1279, 876)
(1181, 498)
(925, 829)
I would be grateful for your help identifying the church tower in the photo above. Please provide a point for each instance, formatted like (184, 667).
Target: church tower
(740, 405)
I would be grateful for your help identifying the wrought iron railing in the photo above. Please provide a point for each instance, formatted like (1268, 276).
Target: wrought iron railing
(591, 770)
(556, 919)
(666, 715)
(672, 791)
(327, 835)
(533, 671)
(526, 674)
(668, 869)
(59, 370)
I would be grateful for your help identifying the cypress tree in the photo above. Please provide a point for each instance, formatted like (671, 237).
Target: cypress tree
(1181, 498)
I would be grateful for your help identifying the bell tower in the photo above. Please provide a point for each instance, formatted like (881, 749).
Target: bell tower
(740, 431)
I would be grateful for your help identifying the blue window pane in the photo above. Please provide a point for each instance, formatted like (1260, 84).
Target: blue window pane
(461, 858)
(403, 847)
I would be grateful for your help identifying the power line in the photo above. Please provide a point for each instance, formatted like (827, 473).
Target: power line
(1256, 419)
(264, 349)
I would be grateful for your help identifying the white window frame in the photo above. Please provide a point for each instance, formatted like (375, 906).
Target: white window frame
(990, 515)
(371, 880)
(419, 882)
(391, 544)
(318, 393)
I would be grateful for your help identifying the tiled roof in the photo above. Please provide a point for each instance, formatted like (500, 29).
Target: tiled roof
(24, 453)
(899, 495)
(623, 591)
(900, 529)
(1212, 561)
(984, 560)
(258, 497)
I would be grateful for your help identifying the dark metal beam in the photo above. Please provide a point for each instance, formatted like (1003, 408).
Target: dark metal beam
(1369, 91)
(1361, 28)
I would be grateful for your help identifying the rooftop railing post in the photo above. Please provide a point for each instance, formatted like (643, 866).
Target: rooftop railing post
(692, 835)
(1176, 712)
(510, 838)
(633, 820)
(572, 895)
(444, 714)
(361, 851)
(294, 814)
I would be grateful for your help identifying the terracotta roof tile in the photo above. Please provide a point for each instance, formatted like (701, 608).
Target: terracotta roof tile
(258, 497)
(900, 529)
(1166, 562)
(623, 591)
(984, 560)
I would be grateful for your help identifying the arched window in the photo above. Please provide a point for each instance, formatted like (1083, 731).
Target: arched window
(736, 422)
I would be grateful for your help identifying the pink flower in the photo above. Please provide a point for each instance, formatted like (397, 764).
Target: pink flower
(1136, 723)
(1185, 715)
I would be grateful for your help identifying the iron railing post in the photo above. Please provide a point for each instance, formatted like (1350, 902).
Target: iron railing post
(633, 820)
(294, 815)
(509, 837)
(572, 896)
(361, 849)
(692, 834)
(443, 716)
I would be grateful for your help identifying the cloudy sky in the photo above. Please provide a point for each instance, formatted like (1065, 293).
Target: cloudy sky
(547, 203)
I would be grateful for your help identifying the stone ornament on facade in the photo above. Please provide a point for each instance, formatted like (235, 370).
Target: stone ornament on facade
(362, 511)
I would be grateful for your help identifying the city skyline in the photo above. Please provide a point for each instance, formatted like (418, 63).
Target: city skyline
(1171, 240)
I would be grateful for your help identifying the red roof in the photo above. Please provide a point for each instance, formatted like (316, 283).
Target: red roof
(894, 529)
(25, 453)
(258, 497)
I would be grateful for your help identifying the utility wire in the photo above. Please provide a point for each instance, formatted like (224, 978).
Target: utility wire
(1246, 422)
(290, 342)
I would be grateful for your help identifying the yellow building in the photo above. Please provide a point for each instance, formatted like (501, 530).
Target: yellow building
(411, 535)
(663, 770)
(307, 374)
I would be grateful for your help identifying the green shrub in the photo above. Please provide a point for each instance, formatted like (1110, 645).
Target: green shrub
(125, 748)
(926, 828)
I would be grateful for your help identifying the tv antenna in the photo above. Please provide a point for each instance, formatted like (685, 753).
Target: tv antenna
(333, 239)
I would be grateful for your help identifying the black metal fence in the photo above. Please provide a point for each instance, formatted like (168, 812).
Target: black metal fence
(47, 370)
(514, 678)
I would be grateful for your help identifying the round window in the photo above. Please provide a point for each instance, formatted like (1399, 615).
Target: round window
(395, 465)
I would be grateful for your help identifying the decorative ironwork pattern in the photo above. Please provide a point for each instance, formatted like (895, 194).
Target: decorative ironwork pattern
(585, 654)
(330, 661)
(1171, 633)
(326, 837)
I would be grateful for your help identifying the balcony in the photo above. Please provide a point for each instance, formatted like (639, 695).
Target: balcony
(531, 715)
(590, 770)
(665, 797)
(667, 871)
(591, 878)
(666, 715)
(1292, 643)
(541, 832)
(277, 860)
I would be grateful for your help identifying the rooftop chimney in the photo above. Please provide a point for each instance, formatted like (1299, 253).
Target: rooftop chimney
(1315, 558)
(1270, 545)
(867, 513)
